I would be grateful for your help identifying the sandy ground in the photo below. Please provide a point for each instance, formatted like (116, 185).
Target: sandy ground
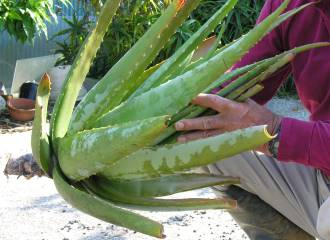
(32, 209)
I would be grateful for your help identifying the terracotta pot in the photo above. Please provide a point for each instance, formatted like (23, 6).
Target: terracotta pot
(21, 109)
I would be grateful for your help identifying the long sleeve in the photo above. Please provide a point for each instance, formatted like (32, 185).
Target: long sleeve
(305, 142)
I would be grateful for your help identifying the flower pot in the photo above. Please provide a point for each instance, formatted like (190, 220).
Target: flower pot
(21, 109)
(28, 90)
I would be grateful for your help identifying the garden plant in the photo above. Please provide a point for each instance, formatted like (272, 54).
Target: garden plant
(132, 20)
(116, 150)
(24, 19)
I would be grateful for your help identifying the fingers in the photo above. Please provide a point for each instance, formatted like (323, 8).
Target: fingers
(202, 123)
(214, 102)
(198, 135)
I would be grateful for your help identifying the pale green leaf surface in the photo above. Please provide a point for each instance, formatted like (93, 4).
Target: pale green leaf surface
(165, 185)
(176, 94)
(120, 81)
(65, 103)
(170, 159)
(104, 210)
(39, 138)
(89, 152)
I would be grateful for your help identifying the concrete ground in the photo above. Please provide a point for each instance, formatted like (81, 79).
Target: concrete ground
(32, 209)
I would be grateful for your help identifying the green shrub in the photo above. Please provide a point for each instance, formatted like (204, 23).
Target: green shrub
(135, 17)
(239, 21)
(24, 19)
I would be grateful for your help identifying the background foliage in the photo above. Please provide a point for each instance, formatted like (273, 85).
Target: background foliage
(136, 16)
(24, 19)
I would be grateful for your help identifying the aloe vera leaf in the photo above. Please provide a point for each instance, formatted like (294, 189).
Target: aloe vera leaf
(178, 93)
(194, 111)
(245, 78)
(231, 91)
(206, 58)
(291, 13)
(88, 152)
(176, 72)
(260, 65)
(168, 205)
(78, 72)
(105, 210)
(222, 80)
(154, 162)
(173, 62)
(39, 139)
(212, 53)
(201, 54)
(250, 93)
(255, 79)
(147, 73)
(120, 80)
(165, 185)
(216, 44)
(247, 72)
(159, 204)
(281, 19)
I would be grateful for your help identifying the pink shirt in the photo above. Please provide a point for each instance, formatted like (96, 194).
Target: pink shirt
(306, 142)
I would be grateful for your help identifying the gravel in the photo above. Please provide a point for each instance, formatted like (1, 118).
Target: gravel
(32, 209)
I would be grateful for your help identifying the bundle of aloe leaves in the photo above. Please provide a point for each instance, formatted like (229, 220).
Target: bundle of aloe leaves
(115, 153)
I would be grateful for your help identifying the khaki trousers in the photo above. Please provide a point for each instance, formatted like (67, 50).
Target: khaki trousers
(296, 191)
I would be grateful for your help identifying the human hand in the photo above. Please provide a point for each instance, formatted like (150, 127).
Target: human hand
(231, 116)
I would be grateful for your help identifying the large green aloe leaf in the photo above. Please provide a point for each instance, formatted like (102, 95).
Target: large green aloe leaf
(114, 87)
(174, 62)
(39, 138)
(88, 152)
(250, 93)
(281, 19)
(104, 210)
(178, 93)
(157, 203)
(79, 70)
(165, 185)
(170, 159)
(254, 79)
(247, 72)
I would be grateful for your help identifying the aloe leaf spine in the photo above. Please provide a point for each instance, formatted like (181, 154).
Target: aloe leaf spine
(170, 159)
(178, 93)
(89, 152)
(119, 82)
(189, 46)
(65, 103)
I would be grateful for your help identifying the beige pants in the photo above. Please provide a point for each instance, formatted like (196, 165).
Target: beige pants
(296, 191)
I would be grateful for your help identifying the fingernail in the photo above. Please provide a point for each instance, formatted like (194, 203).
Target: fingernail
(179, 125)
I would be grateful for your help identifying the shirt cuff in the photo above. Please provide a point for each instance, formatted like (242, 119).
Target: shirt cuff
(295, 140)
